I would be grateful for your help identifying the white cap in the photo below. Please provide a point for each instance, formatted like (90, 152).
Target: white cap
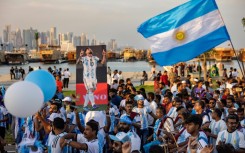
(98, 116)
(139, 97)
(120, 137)
(55, 115)
(67, 99)
(183, 81)
(196, 80)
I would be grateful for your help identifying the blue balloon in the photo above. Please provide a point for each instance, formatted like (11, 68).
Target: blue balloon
(45, 81)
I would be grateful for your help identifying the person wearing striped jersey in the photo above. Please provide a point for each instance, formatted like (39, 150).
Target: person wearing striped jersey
(104, 125)
(232, 135)
(89, 74)
(198, 140)
(144, 112)
(217, 125)
(135, 117)
(162, 124)
(59, 130)
(230, 108)
(182, 136)
(86, 142)
(125, 125)
(173, 113)
(240, 114)
(199, 108)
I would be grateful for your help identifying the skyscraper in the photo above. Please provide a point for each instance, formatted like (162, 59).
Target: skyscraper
(53, 36)
(112, 45)
(18, 39)
(93, 42)
(83, 40)
(69, 36)
(6, 33)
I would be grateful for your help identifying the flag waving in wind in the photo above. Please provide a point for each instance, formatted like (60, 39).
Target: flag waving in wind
(184, 32)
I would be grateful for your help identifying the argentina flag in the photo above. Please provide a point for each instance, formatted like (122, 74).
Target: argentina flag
(184, 32)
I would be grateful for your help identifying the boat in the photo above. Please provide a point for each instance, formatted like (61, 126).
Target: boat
(150, 59)
(241, 54)
(34, 56)
(71, 57)
(50, 54)
(223, 54)
(129, 54)
(17, 57)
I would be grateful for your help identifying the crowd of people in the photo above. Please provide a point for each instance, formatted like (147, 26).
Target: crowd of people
(181, 114)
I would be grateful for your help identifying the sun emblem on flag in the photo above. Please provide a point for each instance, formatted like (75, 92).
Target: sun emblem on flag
(180, 35)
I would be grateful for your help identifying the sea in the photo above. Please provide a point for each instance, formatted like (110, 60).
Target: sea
(137, 66)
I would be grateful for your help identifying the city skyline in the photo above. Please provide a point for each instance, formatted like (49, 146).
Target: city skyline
(106, 20)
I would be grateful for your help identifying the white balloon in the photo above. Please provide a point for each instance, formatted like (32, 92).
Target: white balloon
(23, 99)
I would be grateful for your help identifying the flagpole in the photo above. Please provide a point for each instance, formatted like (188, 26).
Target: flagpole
(242, 69)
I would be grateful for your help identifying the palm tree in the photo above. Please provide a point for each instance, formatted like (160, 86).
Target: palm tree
(204, 62)
(36, 38)
(243, 22)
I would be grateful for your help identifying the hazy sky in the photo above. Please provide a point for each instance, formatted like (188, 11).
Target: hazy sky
(107, 19)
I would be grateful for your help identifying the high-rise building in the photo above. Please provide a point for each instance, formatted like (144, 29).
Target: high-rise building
(18, 38)
(112, 45)
(43, 38)
(83, 40)
(53, 36)
(12, 38)
(29, 38)
(8, 29)
(93, 41)
(76, 41)
(5, 36)
(69, 36)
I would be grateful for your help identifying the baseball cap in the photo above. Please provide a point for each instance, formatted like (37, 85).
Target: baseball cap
(121, 137)
(55, 115)
(183, 81)
(139, 97)
(67, 99)
(196, 80)
(125, 119)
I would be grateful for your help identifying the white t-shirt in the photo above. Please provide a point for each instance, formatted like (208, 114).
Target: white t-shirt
(242, 122)
(55, 146)
(183, 136)
(153, 106)
(135, 140)
(93, 146)
(89, 67)
(173, 113)
(235, 138)
(144, 112)
(216, 127)
(67, 74)
(202, 142)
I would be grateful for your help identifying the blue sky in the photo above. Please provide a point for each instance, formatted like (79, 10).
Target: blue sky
(107, 19)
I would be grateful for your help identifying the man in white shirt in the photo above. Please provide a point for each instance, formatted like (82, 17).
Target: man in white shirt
(193, 124)
(87, 141)
(118, 140)
(58, 128)
(217, 125)
(232, 135)
(89, 75)
(66, 75)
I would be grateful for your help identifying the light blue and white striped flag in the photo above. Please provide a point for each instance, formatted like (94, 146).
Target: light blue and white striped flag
(184, 32)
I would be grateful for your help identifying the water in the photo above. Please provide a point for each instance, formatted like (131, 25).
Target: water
(5, 69)
(138, 66)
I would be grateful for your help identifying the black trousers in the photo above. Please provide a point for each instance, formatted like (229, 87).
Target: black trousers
(66, 82)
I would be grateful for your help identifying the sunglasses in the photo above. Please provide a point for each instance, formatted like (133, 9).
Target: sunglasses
(90, 52)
